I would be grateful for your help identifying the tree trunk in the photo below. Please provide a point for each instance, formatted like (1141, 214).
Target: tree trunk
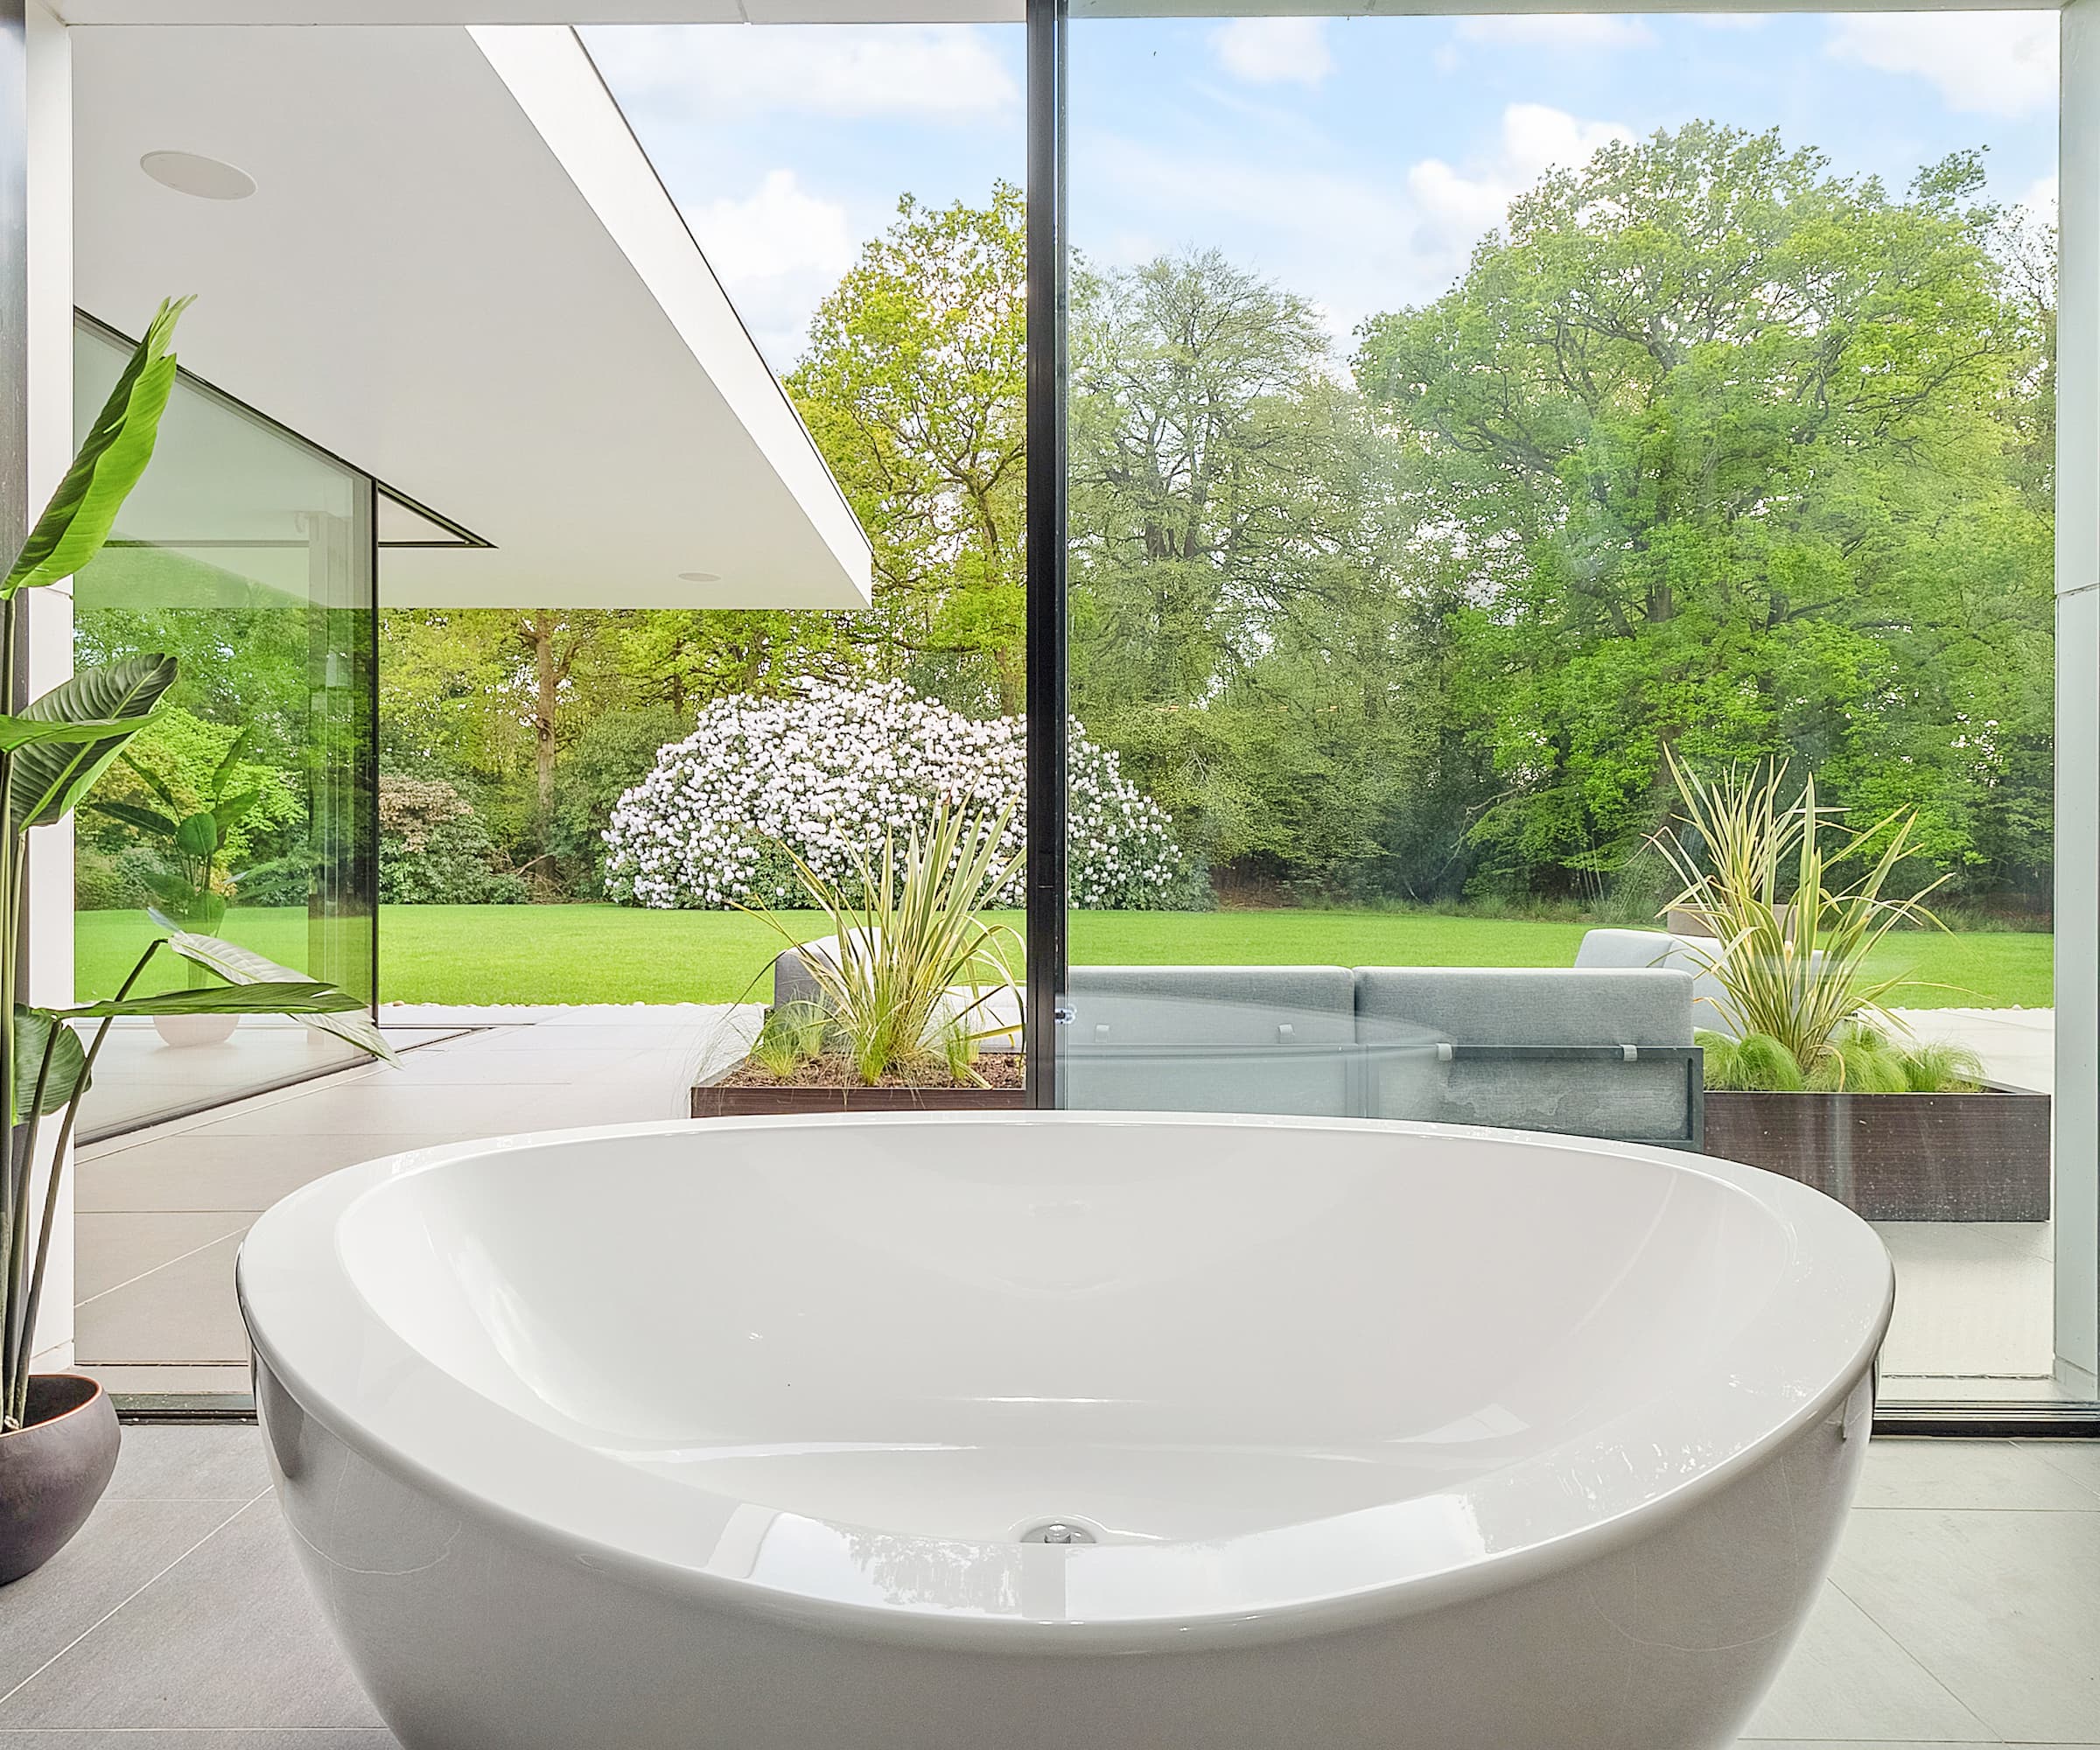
(543, 712)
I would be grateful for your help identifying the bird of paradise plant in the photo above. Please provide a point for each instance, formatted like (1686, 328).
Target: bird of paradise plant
(53, 749)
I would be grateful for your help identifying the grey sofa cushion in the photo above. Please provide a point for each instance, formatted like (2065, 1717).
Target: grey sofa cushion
(1211, 1039)
(1530, 1006)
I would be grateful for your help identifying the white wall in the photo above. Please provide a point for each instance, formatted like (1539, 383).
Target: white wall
(2077, 1097)
(49, 644)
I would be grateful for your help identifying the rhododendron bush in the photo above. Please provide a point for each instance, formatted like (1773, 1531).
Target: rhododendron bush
(827, 771)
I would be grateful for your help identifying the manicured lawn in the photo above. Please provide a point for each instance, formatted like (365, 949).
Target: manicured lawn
(613, 954)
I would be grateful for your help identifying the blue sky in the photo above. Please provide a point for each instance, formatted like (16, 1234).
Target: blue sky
(1353, 160)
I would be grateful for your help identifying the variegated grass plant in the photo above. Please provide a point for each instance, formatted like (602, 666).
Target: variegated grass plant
(908, 986)
(1797, 904)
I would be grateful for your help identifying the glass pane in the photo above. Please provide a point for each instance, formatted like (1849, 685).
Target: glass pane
(246, 554)
(1494, 440)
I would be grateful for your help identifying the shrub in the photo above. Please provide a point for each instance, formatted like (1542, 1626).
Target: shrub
(434, 849)
(827, 774)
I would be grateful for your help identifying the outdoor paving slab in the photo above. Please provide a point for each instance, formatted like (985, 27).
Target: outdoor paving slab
(197, 1170)
(111, 1250)
(227, 1637)
(185, 1310)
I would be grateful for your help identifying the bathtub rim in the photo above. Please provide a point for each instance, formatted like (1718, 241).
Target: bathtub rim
(357, 1345)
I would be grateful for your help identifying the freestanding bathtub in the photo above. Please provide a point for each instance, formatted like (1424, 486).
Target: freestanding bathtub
(764, 1435)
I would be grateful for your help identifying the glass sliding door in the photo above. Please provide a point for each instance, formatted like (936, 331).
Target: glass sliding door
(248, 555)
(1495, 451)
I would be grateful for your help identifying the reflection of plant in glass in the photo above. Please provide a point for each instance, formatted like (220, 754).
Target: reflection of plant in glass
(1790, 948)
(190, 838)
(53, 752)
(905, 935)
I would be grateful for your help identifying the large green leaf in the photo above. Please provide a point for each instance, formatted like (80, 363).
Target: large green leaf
(27, 731)
(198, 835)
(233, 755)
(242, 966)
(158, 825)
(152, 780)
(51, 778)
(68, 1060)
(294, 995)
(119, 444)
(229, 811)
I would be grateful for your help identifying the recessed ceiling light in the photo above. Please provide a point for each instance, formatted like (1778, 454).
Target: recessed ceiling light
(698, 578)
(192, 173)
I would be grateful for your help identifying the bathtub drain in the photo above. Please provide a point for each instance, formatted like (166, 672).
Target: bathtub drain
(1057, 1531)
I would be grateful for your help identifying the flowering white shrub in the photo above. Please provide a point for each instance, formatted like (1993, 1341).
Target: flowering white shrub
(827, 771)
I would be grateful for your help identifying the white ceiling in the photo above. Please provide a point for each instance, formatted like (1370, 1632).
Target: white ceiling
(901, 12)
(459, 273)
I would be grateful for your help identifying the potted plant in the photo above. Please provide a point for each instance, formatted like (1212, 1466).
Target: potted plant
(906, 986)
(187, 882)
(58, 1432)
(1818, 1081)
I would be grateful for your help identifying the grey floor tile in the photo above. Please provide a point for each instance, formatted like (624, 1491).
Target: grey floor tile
(184, 1312)
(228, 1637)
(294, 1739)
(1968, 1473)
(1848, 1680)
(2003, 1608)
(122, 1547)
(110, 1250)
(2078, 1460)
(190, 1464)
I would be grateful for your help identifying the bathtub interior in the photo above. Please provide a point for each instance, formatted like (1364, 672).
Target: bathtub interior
(1158, 1331)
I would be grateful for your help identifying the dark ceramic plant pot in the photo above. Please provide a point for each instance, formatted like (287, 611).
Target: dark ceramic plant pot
(53, 1469)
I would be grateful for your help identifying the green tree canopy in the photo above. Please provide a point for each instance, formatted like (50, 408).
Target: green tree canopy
(1730, 455)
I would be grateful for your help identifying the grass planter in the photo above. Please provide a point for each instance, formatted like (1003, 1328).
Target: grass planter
(711, 1099)
(1897, 1157)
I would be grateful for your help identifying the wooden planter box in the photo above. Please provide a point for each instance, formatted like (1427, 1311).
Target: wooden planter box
(1898, 1157)
(712, 1100)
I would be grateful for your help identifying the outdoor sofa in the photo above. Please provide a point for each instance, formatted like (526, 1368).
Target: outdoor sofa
(1604, 1052)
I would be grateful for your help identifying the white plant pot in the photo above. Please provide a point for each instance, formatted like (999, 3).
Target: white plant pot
(183, 1030)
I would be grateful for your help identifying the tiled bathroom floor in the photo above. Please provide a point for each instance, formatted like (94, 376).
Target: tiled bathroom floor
(1965, 1610)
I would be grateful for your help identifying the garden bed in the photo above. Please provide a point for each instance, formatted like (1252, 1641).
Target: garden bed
(743, 1090)
(1980, 1157)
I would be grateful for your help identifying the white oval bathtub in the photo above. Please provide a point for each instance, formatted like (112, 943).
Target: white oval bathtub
(730, 1434)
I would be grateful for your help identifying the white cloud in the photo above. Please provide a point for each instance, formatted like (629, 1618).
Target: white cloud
(1274, 50)
(1456, 205)
(2041, 197)
(931, 71)
(1999, 64)
(1558, 30)
(1361, 243)
(777, 252)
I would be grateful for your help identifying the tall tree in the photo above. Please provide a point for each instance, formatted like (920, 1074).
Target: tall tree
(1722, 439)
(912, 387)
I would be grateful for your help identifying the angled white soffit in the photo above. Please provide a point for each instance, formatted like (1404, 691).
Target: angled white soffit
(459, 273)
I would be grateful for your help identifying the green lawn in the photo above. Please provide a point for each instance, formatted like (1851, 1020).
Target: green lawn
(612, 953)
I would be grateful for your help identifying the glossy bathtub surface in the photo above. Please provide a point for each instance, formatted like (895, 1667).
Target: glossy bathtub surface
(1289, 1373)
